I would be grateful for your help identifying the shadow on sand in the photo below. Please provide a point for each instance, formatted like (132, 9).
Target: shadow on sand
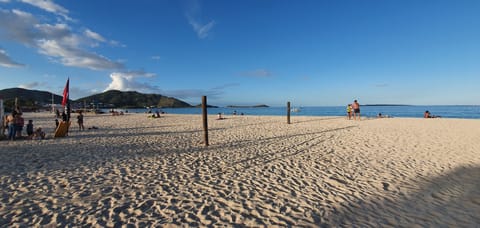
(449, 200)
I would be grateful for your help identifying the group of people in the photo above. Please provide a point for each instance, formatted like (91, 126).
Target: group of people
(14, 123)
(353, 110)
(81, 127)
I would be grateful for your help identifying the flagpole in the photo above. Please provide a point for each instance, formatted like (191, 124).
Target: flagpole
(65, 100)
(3, 118)
(53, 107)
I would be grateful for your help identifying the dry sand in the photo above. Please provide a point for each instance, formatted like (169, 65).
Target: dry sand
(257, 171)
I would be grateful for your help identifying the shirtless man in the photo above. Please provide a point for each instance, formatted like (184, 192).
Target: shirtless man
(356, 110)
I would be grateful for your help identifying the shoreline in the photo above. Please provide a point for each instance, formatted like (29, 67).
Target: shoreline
(257, 171)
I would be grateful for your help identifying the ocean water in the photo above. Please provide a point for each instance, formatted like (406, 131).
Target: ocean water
(445, 111)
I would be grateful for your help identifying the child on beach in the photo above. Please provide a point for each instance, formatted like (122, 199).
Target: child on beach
(39, 134)
(30, 129)
(349, 111)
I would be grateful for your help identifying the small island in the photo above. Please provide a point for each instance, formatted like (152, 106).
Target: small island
(248, 106)
(208, 106)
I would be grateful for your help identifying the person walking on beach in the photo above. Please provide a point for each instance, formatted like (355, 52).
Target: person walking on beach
(80, 121)
(356, 110)
(349, 111)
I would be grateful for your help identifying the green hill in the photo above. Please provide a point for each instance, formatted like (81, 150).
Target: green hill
(31, 100)
(27, 99)
(132, 99)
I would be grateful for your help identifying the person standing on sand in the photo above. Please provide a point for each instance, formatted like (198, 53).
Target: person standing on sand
(30, 129)
(19, 123)
(80, 121)
(10, 122)
(349, 111)
(356, 110)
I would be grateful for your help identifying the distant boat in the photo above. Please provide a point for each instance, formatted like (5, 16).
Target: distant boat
(295, 110)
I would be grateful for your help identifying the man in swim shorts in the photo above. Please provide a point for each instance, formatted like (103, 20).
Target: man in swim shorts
(356, 110)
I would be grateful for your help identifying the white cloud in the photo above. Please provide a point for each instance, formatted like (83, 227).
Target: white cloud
(116, 43)
(4, 1)
(6, 61)
(57, 32)
(193, 14)
(156, 57)
(97, 38)
(71, 55)
(93, 35)
(57, 41)
(17, 26)
(49, 6)
(126, 81)
(201, 30)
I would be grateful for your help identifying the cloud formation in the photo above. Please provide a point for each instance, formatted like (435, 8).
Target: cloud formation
(49, 6)
(126, 81)
(6, 61)
(193, 14)
(57, 41)
(201, 30)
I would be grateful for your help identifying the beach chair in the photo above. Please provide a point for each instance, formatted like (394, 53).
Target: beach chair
(62, 129)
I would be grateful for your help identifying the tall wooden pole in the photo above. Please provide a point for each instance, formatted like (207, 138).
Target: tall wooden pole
(205, 123)
(53, 106)
(288, 112)
(2, 113)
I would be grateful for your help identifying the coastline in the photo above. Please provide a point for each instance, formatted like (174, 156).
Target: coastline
(257, 171)
(449, 111)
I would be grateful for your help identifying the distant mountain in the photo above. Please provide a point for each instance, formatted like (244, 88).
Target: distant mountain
(132, 99)
(26, 95)
(27, 99)
(35, 99)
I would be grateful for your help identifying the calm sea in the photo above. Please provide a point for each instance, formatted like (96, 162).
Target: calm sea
(445, 111)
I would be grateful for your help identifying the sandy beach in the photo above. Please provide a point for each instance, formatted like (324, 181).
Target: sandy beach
(258, 172)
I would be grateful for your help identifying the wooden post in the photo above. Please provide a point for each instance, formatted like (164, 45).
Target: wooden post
(205, 123)
(2, 113)
(288, 112)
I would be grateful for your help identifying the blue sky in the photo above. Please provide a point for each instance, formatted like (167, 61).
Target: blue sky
(312, 53)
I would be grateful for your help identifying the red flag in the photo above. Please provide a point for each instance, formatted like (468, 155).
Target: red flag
(65, 93)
